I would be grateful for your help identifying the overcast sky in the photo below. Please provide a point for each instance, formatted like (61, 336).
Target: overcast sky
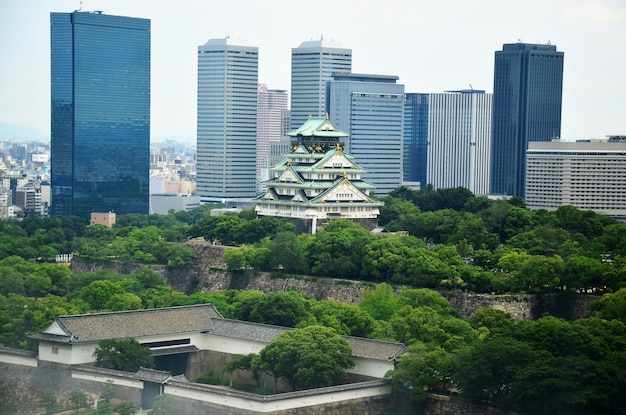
(431, 45)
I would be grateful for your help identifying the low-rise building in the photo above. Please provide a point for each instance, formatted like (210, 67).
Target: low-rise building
(589, 175)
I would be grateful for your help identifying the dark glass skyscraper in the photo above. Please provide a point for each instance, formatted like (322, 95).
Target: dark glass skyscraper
(415, 138)
(100, 120)
(527, 97)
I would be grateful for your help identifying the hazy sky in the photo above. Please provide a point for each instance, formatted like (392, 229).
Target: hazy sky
(431, 45)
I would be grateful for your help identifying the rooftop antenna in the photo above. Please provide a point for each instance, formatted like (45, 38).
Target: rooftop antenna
(80, 9)
(471, 87)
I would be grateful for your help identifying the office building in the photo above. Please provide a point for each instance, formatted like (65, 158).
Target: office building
(282, 146)
(589, 175)
(459, 140)
(312, 65)
(100, 113)
(415, 139)
(272, 104)
(318, 181)
(527, 96)
(227, 120)
(370, 108)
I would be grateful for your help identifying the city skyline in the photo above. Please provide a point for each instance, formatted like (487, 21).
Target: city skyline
(430, 46)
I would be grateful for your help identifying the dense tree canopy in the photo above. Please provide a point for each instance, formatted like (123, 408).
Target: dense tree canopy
(313, 356)
(455, 242)
(126, 354)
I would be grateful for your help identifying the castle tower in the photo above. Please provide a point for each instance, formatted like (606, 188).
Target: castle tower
(317, 181)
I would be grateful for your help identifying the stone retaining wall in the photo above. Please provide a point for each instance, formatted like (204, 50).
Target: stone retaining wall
(208, 273)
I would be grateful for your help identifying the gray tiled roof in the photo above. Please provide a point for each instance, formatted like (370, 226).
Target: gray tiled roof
(263, 333)
(375, 349)
(245, 330)
(152, 375)
(127, 324)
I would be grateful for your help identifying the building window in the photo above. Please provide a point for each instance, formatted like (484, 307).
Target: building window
(55, 350)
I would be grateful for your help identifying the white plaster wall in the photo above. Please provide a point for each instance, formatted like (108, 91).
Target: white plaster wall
(96, 377)
(13, 359)
(64, 354)
(230, 345)
(370, 367)
(289, 403)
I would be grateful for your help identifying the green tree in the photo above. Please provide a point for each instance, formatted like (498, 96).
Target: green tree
(487, 370)
(285, 309)
(77, 400)
(611, 306)
(127, 355)
(346, 319)
(12, 281)
(163, 404)
(123, 302)
(97, 293)
(241, 362)
(48, 401)
(423, 369)
(337, 249)
(148, 277)
(380, 303)
(126, 408)
(287, 253)
(313, 356)
(108, 392)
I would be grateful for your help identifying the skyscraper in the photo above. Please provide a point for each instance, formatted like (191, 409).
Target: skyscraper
(371, 109)
(100, 113)
(459, 140)
(227, 120)
(527, 96)
(272, 104)
(312, 65)
(415, 151)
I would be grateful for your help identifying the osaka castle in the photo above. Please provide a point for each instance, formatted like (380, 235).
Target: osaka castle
(317, 181)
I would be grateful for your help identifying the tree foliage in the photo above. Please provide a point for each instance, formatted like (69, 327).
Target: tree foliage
(313, 356)
(127, 355)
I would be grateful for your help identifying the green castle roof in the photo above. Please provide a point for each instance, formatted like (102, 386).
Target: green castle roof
(318, 127)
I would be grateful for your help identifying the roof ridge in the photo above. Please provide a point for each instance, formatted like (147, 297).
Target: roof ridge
(143, 310)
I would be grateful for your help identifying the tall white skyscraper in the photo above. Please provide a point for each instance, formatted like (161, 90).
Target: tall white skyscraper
(227, 120)
(371, 109)
(459, 140)
(312, 65)
(272, 105)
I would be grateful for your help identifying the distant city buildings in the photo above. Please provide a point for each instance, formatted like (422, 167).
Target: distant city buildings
(100, 113)
(527, 97)
(227, 120)
(272, 109)
(371, 109)
(459, 140)
(589, 175)
(312, 64)
(501, 144)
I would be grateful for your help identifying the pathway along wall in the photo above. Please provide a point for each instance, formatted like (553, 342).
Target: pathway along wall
(208, 273)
